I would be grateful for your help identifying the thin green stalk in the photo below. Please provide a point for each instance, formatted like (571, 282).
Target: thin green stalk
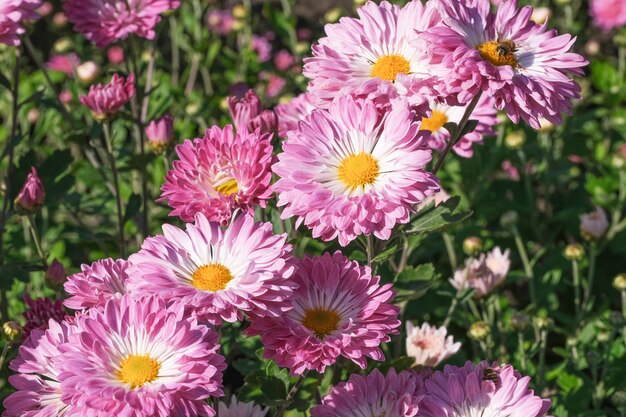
(3, 355)
(116, 185)
(447, 239)
(37, 240)
(369, 248)
(542, 358)
(591, 272)
(576, 278)
(175, 52)
(528, 270)
(292, 393)
(521, 350)
(455, 302)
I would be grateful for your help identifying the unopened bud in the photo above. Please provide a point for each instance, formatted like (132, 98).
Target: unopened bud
(515, 139)
(542, 322)
(12, 331)
(619, 282)
(87, 72)
(55, 274)
(332, 15)
(574, 252)
(32, 195)
(478, 331)
(160, 134)
(239, 11)
(472, 245)
(520, 321)
(63, 45)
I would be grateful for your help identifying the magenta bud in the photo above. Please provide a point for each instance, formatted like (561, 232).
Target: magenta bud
(31, 196)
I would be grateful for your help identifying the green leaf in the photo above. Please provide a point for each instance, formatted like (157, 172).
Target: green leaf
(469, 127)
(37, 96)
(4, 81)
(431, 218)
(451, 127)
(386, 254)
(132, 208)
(414, 282)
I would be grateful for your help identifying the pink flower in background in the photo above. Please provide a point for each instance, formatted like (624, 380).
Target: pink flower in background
(262, 47)
(608, 14)
(293, 112)
(160, 133)
(66, 64)
(220, 21)
(38, 391)
(39, 312)
(104, 100)
(56, 273)
(32, 195)
(594, 225)
(484, 113)
(97, 283)
(391, 395)
(339, 309)
(483, 274)
(66, 97)
(241, 409)
(87, 72)
(481, 390)
(429, 345)
(510, 170)
(140, 357)
(219, 173)
(247, 113)
(383, 44)
(13, 13)
(115, 55)
(218, 274)
(275, 85)
(528, 76)
(106, 21)
(45, 9)
(352, 170)
(283, 60)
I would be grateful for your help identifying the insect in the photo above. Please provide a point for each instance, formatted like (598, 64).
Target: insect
(490, 374)
(506, 47)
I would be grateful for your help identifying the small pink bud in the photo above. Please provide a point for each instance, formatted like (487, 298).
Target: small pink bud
(59, 20)
(31, 196)
(66, 97)
(160, 133)
(45, 9)
(56, 274)
(283, 60)
(115, 54)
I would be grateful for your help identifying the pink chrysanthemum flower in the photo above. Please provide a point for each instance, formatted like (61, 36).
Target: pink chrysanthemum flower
(66, 64)
(106, 21)
(97, 283)
(37, 380)
(39, 312)
(339, 309)
(13, 13)
(506, 55)
(293, 112)
(140, 357)
(483, 274)
(241, 409)
(484, 113)
(217, 273)
(352, 170)
(219, 173)
(429, 345)
(608, 14)
(594, 225)
(392, 395)
(104, 100)
(383, 43)
(481, 390)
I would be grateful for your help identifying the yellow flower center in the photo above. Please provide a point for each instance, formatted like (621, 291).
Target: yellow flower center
(320, 321)
(227, 188)
(358, 170)
(435, 121)
(389, 66)
(211, 277)
(137, 370)
(498, 53)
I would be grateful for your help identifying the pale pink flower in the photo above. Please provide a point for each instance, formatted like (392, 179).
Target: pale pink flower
(481, 390)
(283, 60)
(66, 64)
(87, 72)
(595, 224)
(290, 114)
(96, 283)
(429, 345)
(241, 409)
(275, 85)
(32, 195)
(608, 14)
(220, 21)
(220, 173)
(376, 395)
(218, 274)
(104, 100)
(510, 170)
(13, 13)
(483, 274)
(262, 47)
(39, 312)
(353, 170)
(338, 309)
(106, 21)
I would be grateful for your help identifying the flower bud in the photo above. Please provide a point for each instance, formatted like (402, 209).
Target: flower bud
(509, 219)
(542, 322)
(33, 116)
(332, 15)
(160, 134)
(12, 331)
(472, 245)
(619, 282)
(55, 274)
(63, 45)
(87, 72)
(115, 54)
(66, 97)
(520, 321)
(239, 11)
(592, 47)
(478, 331)
(574, 252)
(59, 20)
(515, 140)
(603, 337)
(540, 15)
(594, 225)
(32, 195)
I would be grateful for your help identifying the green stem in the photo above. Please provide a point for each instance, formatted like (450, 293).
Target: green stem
(455, 302)
(37, 239)
(521, 350)
(369, 249)
(116, 185)
(3, 355)
(542, 358)
(447, 239)
(576, 277)
(591, 272)
(292, 393)
(528, 270)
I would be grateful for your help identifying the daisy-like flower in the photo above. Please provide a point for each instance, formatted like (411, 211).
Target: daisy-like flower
(39, 312)
(383, 43)
(429, 345)
(106, 21)
(506, 55)
(216, 273)
(140, 357)
(483, 274)
(353, 170)
(391, 395)
(104, 100)
(291, 113)
(339, 309)
(37, 380)
(484, 113)
(96, 283)
(481, 390)
(13, 13)
(593, 226)
(241, 409)
(219, 173)
(608, 14)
